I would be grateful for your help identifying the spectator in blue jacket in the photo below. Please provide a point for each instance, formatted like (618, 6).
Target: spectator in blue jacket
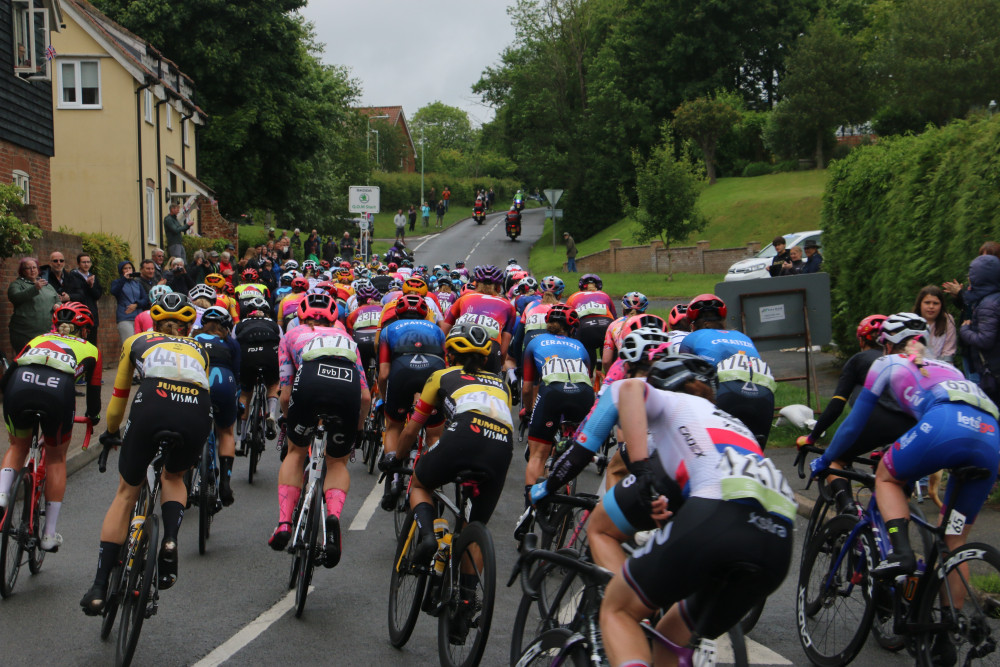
(980, 333)
(814, 260)
(132, 298)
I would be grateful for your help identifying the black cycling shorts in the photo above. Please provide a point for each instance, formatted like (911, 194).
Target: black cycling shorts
(325, 387)
(625, 508)
(258, 356)
(36, 388)
(752, 404)
(225, 396)
(557, 402)
(407, 376)
(162, 405)
(704, 548)
(883, 428)
(366, 347)
(470, 442)
(590, 333)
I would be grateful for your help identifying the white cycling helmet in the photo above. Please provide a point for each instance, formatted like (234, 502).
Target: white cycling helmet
(902, 326)
(637, 345)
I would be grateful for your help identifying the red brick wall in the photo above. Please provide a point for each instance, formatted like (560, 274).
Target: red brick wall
(70, 246)
(36, 165)
(654, 258)
(213, 225)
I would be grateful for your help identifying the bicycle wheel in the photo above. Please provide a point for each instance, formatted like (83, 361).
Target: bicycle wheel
(965, 606)
(14, 533)
(205, 498)
(35, 554)
(406, 586)
(138, 584)
(256, 448)
(306, 553)
(750, 619)
(833, 601)
(738, 644)
(402, 507)
(544, 649)
(560, 592)
(116, 584)
(821, 512)
(464, 624)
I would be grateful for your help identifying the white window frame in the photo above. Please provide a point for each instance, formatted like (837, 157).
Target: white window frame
(151, 217)
(25, 19)
(77, 69)
(147, 105)
(185, 132)
(170, 118)
(22, 180)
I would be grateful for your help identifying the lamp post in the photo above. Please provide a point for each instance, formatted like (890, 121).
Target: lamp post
(422, 126)
(368, 150)
(377, 163)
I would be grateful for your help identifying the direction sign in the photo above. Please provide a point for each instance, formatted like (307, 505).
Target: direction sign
(363, 225)
(364, 199)
(553, 195)
(553, 213)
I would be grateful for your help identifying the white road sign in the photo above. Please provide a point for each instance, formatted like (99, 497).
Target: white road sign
(364, 199)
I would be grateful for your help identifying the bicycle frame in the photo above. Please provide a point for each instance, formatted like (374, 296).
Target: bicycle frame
(314, 482)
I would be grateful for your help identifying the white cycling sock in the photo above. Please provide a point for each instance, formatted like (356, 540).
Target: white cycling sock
(51, 517)
(6, 479)
(272, 407)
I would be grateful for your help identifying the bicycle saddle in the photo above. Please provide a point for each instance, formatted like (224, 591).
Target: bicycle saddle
(168, 438)
(473, 476)
(970, 473)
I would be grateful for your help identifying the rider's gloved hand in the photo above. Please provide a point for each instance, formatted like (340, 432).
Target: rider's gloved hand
(538, 493)
(645, 480)
(94, 419)
(110, 439)
(512, 376)
(524, 414)
(818, 465)
(804, 440)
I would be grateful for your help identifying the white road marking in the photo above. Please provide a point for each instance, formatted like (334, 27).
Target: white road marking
(488, 231)
(368, 508)
(251, 631)
(426, 239)
(758, 654)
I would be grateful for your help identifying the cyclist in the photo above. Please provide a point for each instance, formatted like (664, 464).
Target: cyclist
(259, 337)
(460, 267)
(485, 308)
(445, 293)
(328, 379)
(671, 425)
(173, 395)
(224, 380)
(957, 426)
(363, 324)
(290, 303)
(42, 378)
(559, 365)
(417, 285)
(888, 421)
(596, 310)
(746, 386)
(222, 287)
(633, 303)
(143, 321)
(532, 320)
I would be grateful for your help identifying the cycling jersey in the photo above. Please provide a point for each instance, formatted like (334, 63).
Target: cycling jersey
(528, 325)
(522, 302)
(222, 352)
(734, 354)
(446, 299)
(223, 376)
(612, 337)
(493, 313)
(389, 312)
(259, 339)
(305, 343)
(231, 305)
(143, 322)
(260, 287)
(549, 359)
(592, 304)
(410, 337)
(364, 318)
(457, 392)
(290, 304)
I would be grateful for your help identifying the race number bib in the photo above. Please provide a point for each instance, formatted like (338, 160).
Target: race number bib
(593, 308)
(749, 476)
(167, 364)
(743, 368)
(485, 404)
(556, 369)
(330, 346)
(368, 319)
(534, 321)
(55, 359)
(485, 321)
(962, 391)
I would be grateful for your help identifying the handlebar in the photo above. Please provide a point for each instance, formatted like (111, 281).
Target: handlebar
(108, 441)
(567, 558)
(866, 478)
(90, 429)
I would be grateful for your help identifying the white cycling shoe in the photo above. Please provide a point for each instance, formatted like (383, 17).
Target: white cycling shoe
(52, 542)
(3, 500)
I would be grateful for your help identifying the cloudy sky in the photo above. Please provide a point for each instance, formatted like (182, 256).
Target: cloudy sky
(412, 53)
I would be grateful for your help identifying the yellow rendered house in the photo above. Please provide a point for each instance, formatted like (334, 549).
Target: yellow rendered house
(125, 127)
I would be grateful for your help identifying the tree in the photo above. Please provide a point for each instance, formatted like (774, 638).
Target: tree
(706, 120)
(15, 236)
(667, 191)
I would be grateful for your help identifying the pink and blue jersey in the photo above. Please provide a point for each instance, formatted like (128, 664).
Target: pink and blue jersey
(304, 343)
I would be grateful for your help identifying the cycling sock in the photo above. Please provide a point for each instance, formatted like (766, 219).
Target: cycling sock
(173, 513)
(6, 479)
(226, 467)
(272, 407)
(107, 558)
(527, 496)
(899, 537)
(468, 583)
(841, 489)
(334, 501)
(288, 497)
(51, 517)
(424, 515)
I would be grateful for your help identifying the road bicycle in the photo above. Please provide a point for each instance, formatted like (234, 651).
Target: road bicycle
(253, 441)
(371, 436)
(203, 490)
(24, 521)
(570, 633)
(948, 604)
(458, 587)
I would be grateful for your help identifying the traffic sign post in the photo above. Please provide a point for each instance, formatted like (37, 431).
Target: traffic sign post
(553, 195)
(364, 199)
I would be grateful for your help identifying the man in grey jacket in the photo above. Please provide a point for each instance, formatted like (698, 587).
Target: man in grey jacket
(175, 232)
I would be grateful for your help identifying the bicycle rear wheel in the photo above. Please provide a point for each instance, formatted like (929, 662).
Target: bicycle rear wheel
(256, 448)
(14, 532)
(406, 586)
(545, 648)
(738, 644)
(306, 553)
(35, 554)
(138, 585)
(464, 624)
(206, 501)
(833, 603)
(559, 594)
(116, 584)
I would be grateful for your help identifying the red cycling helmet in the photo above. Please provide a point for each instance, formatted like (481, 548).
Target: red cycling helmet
(870, 328)
(326, 284)
(73, 312)
(678, 313)
(393, 266)
(325, 264)
(250, 276)
(411, 306)
(704, 303)
(560, 312)
(300, 284)
(646, 320)
(317, 307)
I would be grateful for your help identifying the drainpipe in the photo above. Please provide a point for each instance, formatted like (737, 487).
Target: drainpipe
(142, 184)
(184, 119)
(159, 162)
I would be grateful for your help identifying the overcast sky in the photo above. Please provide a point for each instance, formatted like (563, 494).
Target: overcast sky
(413, 53)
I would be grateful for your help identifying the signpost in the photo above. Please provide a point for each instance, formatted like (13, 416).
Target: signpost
(364, 199)
(553, 195)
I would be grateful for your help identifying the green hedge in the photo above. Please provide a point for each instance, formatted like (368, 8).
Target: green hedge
(908, 212)
(195, 243)
(106, 251)
(399, 190)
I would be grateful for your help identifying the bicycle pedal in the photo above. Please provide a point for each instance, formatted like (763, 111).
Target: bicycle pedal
(151, 609)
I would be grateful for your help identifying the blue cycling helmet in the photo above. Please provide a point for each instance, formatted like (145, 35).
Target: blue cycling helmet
(553, 284)
(635, 301)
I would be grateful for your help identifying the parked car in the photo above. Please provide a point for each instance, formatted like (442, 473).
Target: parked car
(756, 266)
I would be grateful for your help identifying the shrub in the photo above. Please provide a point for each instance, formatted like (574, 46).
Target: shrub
(106, 251)
(757, 169)
(15, 235)
(785, 165)
(399, 190)
(195, 243)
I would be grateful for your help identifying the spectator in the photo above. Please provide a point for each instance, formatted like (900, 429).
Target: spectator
(432, 198)
(226, 266)
(347, 247)
(400, 221)
(330, 249)
(490, 198)
(33, 299)
(446, 197)
(425, 214)
(296, 242)
(83, 286)
(813, 260)
(441, 209)
(132, 297)
(147, 274)
(979, 333)
(780, 258)
(570, 252)
(55, 274)
(198, 268)
(268, 276)
(175, 229)
(412, 215)
(311, 247)
(793, 266)
(177, 277)
(270, 234)
(158, 259)
(941, 333)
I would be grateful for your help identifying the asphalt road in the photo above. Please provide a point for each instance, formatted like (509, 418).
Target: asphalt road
(231, 605)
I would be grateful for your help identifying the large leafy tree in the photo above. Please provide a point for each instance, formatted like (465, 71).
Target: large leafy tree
(706, 120)
(442, 128)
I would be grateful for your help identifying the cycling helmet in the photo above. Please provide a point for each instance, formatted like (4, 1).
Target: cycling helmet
(704, 303)
(203, 292)
(488, 274)
(290, 265)
(219, 315)
(459, 263)
(309, 264)
(318, 307)
(635, 301)
(300, 284)
(645, 321)
(367, 292)
(870, 328)
(416, 286)
(560, 312)
(455, 275)
(229, 289)
(637, 345)
(527, 285)
(395, 285)
(73, 312)
(215, 280)
(156, 291)
(327, 285)
(411, 306)
(553, 284)
(673, 372)
(901, 326)
(464, 338)
(286, 278)
(591, 278)
(512, 261)
(257, 304)
(249, 276)
(393, 267)
(325, 264)
(441, 282)
(359, 283)
(173, 307)
(407, 263)
(678, 313)
(345, 275)
(344, 264)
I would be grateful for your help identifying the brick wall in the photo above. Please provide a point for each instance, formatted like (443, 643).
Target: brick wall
(655, 258)
(69, 245)
(36, 165)
(213, 225)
